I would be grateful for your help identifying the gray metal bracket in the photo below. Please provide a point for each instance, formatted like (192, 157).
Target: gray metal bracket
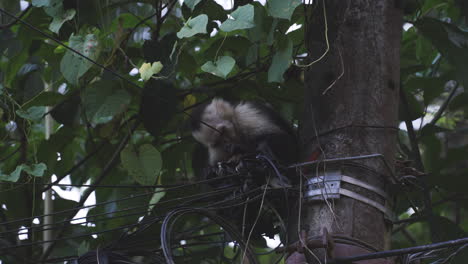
(328, 186)
(324, 186)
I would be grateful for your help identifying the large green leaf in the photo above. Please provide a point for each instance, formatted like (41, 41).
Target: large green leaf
(193, 26)
(102, 102)
(262, 24)
(74, 66)
(415, 109)
(187, 65)
(124, 21)
(450, 40)
(432, 87)
(282, 8)
(191, 3)
(235, 46)
(33, 170)
(34, 113)
(241, 18)
(147, 70)
(281, 61)
(157, 196)
(55, 9)
(41, 3)
(45, 99)
(221, 68)
(143, 163)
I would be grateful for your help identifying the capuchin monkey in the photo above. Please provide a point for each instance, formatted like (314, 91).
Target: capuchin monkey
(230, 132)
(252, 141)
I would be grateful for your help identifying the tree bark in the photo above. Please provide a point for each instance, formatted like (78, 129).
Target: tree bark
(351, 109)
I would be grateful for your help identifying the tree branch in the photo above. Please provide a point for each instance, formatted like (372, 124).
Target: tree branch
(444, 105)
(419, 165)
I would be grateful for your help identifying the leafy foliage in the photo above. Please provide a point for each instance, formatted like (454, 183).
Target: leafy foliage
(433, 74)
(241, 18)
(222, 67)
(114, 126)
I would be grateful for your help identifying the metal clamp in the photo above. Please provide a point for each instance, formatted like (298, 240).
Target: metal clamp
(328, 186)
(324, 187)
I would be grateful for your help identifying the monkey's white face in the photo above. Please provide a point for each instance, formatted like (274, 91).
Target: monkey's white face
(217, 130)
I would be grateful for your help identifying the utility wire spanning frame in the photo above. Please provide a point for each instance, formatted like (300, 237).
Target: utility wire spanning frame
(188, 200)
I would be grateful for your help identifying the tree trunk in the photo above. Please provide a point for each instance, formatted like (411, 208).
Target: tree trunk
(351, 109)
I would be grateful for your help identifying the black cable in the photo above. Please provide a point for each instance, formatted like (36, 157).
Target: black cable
(168, 223)
(143, 212)
(402, 251)
(119, 200)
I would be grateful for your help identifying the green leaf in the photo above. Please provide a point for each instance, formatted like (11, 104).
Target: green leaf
(147, 70)
(241, 18)
(55, 9)
(432, 87)
(451, 42)
(144, 163)
(432, 149)
(157, 196)
(213, 10)
(13, 177)
(430, 130)
(34, 113)
(187, 65)
(83, 248)
(45, 99)
(415, 108)
(102, 102)
(262, 24)
(125, 20)
(235, 46)
(221, 68)
(68, 112)
(191, 3)
(74, 66)
(252, 54)
(281, 61)
(193, 26)
(58, 21)
(41, 3)
(282, 8)
(34, 170)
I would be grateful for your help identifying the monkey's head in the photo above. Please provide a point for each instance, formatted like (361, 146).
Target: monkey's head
(213, 125)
